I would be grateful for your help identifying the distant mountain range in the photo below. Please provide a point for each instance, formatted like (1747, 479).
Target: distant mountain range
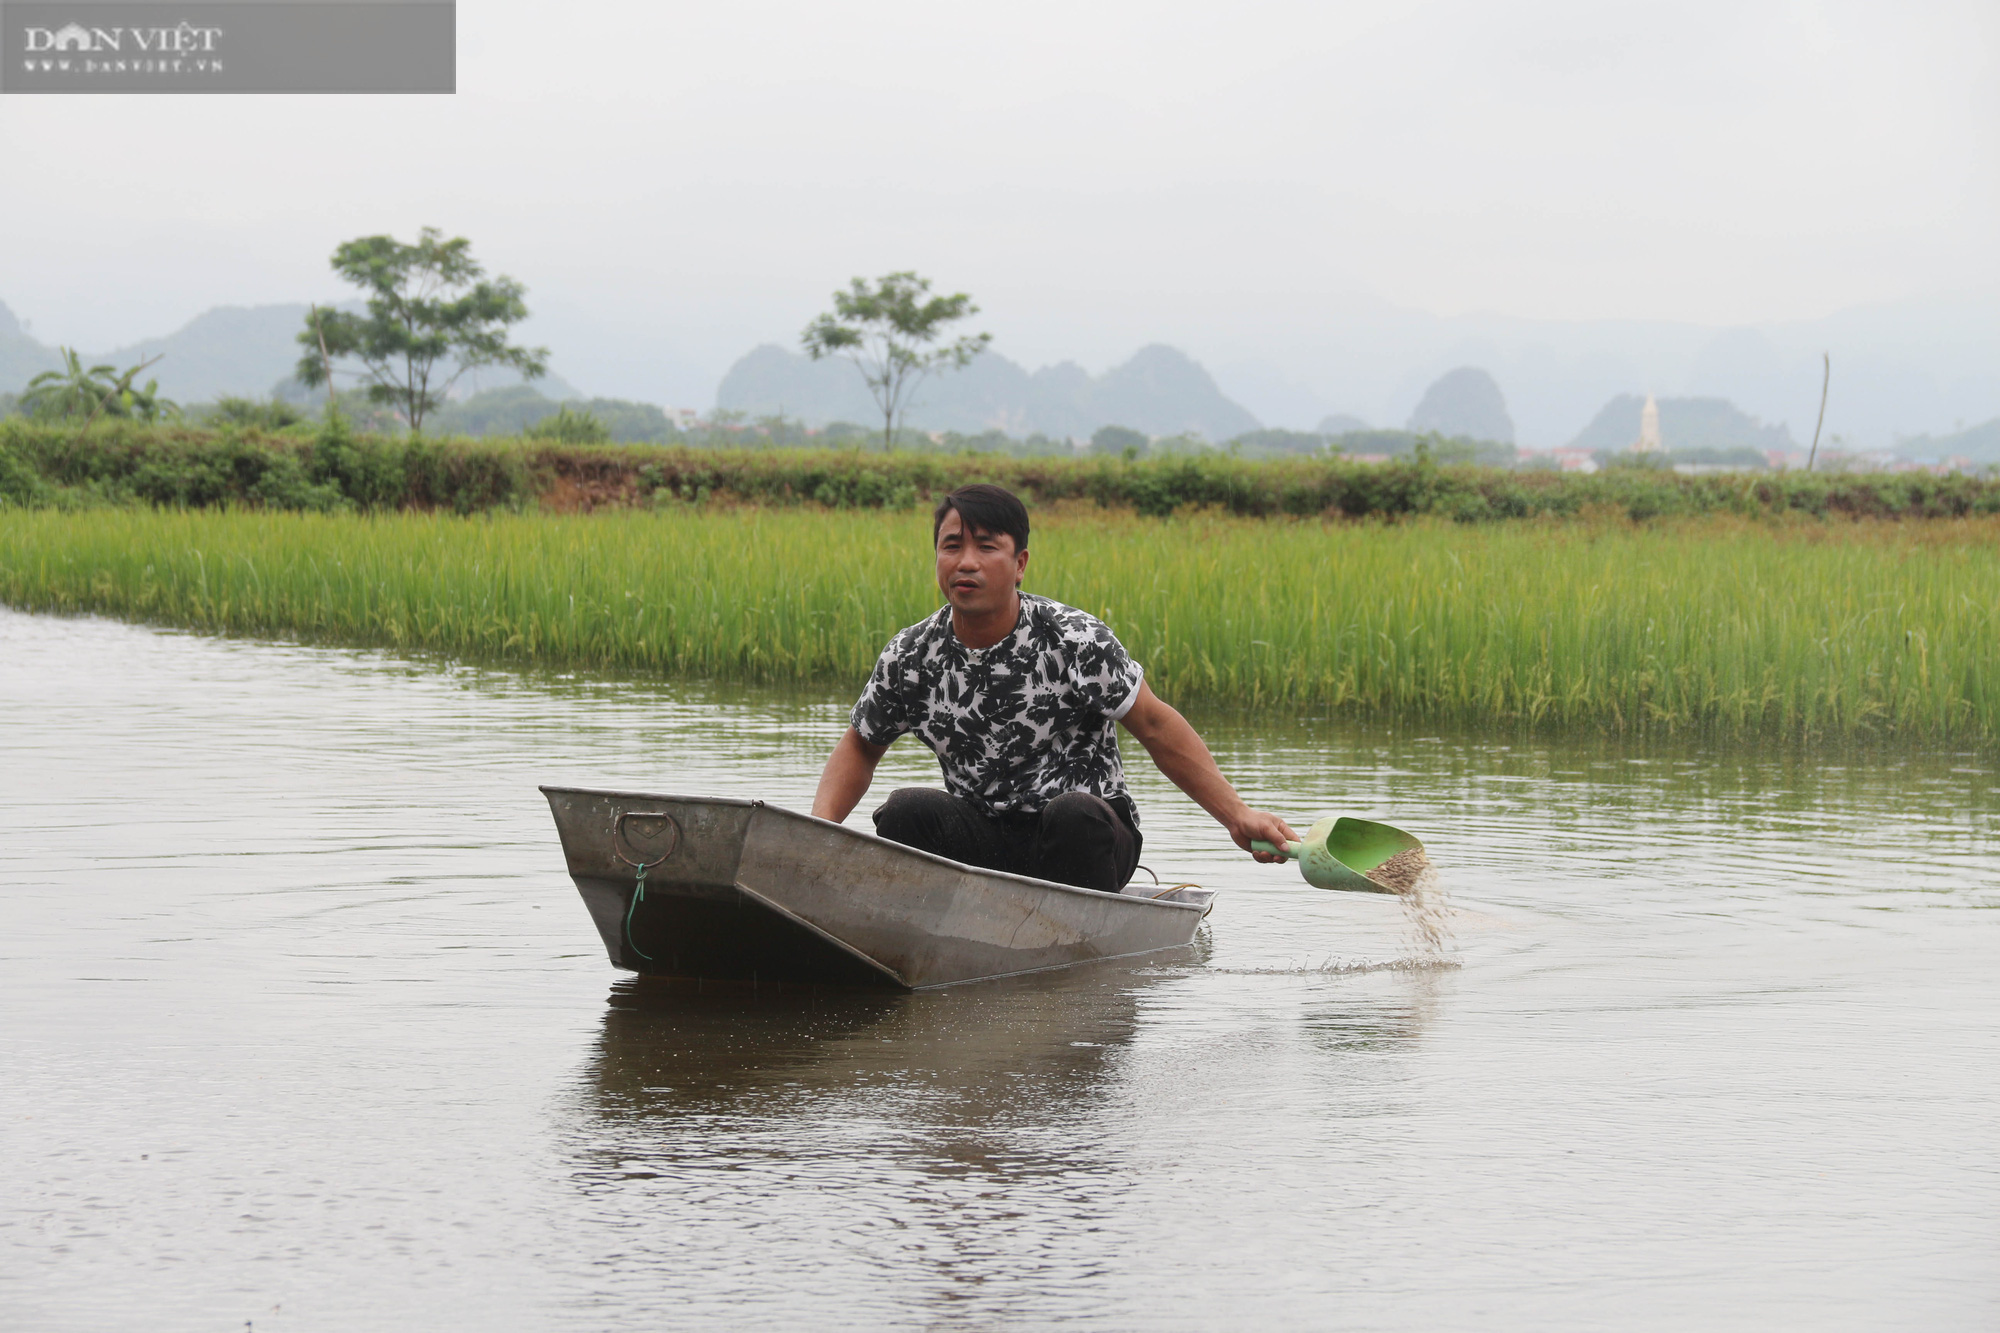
(1897, 370)
(248, 351)
(1464, 404)
(1980, 444)
(228, 350)
(1159, 391)
(21, 357)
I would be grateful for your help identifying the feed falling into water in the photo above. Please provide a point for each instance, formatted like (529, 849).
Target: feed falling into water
(1413, 879)
(1399, 874)
(1342, 853)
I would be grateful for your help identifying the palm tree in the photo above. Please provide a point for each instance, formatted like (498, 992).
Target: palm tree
(61, 395)
(56, 395)
(145, 404)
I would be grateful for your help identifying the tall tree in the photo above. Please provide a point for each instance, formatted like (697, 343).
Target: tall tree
(888, 330)
(433, 314)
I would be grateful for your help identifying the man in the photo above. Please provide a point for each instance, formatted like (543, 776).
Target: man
(1020, 698)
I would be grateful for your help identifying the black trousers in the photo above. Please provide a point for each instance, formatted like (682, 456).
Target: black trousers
(1077, 839)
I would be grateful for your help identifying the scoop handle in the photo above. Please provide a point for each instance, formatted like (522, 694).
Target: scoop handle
(1289, 851)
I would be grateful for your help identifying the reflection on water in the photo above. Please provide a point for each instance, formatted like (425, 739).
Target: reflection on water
(304, 1026)
(964, 1057)
(933, 1117)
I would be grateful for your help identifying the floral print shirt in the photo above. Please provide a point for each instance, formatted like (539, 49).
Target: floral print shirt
(1015, 725)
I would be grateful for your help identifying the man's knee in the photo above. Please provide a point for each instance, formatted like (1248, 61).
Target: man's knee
(915, 816)
(1085, 841)
(1079, 814)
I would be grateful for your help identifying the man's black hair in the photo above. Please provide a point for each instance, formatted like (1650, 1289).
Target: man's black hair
(985, 508)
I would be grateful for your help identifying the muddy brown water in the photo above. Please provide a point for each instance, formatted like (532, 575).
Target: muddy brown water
(303, 1027)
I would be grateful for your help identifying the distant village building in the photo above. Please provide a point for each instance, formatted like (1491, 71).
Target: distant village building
(1564, 460)
(1649, 428)
(1574, 460)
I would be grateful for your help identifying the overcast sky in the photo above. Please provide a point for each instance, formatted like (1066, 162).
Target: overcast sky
(679, 182)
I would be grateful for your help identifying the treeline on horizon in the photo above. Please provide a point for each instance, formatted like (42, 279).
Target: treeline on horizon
(523, 411)
(329, 467)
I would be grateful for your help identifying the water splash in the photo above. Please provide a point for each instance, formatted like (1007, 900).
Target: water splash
(1346, 967)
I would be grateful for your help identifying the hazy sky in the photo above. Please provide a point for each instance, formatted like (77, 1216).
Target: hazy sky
(678, 182)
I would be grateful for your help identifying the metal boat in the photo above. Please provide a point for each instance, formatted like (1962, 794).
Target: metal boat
(714, 889)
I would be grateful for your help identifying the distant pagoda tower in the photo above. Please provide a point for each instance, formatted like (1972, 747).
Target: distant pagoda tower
(1649, 428)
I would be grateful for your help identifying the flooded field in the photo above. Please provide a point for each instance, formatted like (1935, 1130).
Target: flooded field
(304, 1027)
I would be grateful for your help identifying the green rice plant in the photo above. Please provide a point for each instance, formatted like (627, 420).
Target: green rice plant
(1716, 627)
(1713, 626)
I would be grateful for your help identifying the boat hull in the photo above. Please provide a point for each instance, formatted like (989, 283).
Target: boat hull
(742, 891)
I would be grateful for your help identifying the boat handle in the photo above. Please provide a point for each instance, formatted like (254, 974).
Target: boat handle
(618, 835)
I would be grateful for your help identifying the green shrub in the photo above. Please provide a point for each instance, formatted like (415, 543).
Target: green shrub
(20, 484)
(268, 415)
(129, 462)
(570, 426)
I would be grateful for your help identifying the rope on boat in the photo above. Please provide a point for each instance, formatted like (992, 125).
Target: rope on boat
(1171, 888)
(638, 896)
(667, 822)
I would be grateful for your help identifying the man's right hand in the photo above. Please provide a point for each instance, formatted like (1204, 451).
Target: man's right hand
(1260, 826)
(844, 780)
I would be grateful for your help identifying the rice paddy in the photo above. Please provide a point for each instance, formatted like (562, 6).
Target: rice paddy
(1712, 626)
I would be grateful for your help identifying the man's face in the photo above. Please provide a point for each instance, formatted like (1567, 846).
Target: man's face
(977, 571)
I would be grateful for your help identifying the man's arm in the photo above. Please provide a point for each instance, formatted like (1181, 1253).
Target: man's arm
(1183, 756)
(844, 780)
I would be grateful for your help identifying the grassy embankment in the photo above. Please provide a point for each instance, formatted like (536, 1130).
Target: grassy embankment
(1715, 626)
(44, 466)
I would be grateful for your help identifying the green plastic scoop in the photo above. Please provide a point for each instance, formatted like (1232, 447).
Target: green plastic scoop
(1337, 853)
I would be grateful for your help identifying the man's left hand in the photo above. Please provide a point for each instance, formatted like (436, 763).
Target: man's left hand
(1261, 826)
